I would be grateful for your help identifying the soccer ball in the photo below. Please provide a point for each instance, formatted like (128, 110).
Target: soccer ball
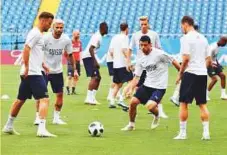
(95, 129)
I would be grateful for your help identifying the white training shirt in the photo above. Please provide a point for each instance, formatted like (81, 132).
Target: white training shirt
(135, 40)
(94, 41)
(196, 46)
(35, 41)
(119, 43)
(53, 51)
(156, 65)
(213, 50)
(108, 56)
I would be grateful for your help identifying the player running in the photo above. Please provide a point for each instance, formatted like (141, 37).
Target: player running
(216, 69)
(121, 58)
(150, 93)
(134, 44)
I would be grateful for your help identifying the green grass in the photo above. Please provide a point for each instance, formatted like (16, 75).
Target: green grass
(74, 138)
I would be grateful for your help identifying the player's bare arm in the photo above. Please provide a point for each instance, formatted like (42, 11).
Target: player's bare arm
(128, 53)
(47, 70)
(185, 60)
(132, 85)
(26, 55)
(209, 62)
(176, 65)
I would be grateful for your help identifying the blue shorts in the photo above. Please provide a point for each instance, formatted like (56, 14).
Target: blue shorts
(142, 78)
(121, 75)
(212, 71)
(145, 94)
(70, 71)
(193, 86)
(91, 71)
(56, 82)
(110, 68)
(32, 85)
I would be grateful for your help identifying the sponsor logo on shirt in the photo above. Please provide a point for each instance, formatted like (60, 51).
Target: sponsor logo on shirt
(55, 51)
(151, 68)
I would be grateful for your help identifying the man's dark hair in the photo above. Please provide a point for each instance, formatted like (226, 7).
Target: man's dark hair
(46, 15)
(196, 27)
(187, 19)
(103, 25)
(145, 39)
(123, 26)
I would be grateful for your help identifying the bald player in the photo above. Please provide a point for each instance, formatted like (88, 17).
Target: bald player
(72, 80)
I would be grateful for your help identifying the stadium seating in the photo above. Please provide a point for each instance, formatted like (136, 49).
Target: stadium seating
(17, 17)
(85, 15)
(164, 15)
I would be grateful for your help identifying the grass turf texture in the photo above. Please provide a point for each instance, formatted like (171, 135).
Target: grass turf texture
(74, 138)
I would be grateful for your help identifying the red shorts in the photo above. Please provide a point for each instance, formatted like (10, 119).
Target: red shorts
(76, 56)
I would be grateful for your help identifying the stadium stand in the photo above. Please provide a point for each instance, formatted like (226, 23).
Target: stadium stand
(85, 15)
(17, 17)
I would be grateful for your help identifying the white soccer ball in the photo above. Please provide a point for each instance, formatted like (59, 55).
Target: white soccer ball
(5, 97)
(95, 129)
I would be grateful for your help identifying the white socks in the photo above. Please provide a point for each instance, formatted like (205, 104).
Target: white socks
(160, 108)
(94, 94)
(89, 94)
(131, 124)
(56, 114)
(183, 127)
(42, 125)
(10, 121)
(205, 127)
(223, 91)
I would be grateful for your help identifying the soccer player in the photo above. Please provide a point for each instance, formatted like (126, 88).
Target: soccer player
(193, 76)
(216, 69)
(118, 49)
(155, 62)
(77, 49)
(91, 64)
(56, 43)
(109, 62)
(134, 44)
(175, 98)
(32, 81)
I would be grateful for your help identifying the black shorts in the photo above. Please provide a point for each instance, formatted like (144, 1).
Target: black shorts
(91, 71)
(193, 86)
(32, 85)
(56, 82)
(145, 94)
(121, 75)
(212, 71)
(70, 71)
(142, 78)
(110, 68)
